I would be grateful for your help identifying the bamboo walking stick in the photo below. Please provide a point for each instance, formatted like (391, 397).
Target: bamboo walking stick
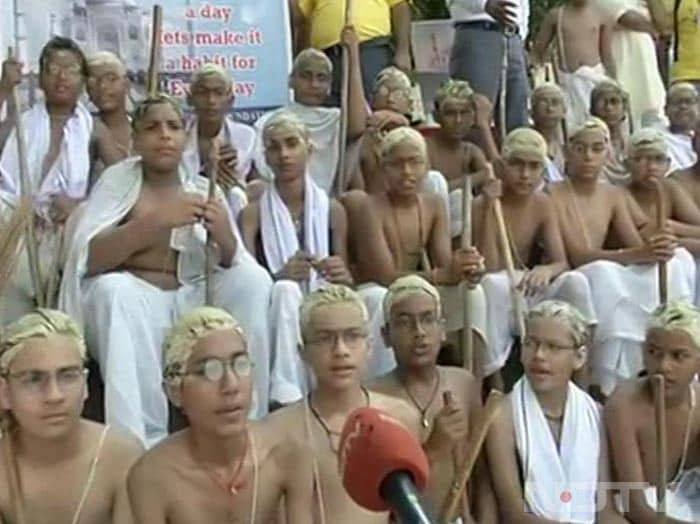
(658, 384)
(476, 441)
(154, 61)
(510, 265)
(26, 192)
(503, 95)
(210, 249)
(660, 223)
(466, 241)
(341, 176)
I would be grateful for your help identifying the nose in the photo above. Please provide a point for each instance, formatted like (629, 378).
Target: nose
(340, 347)
(230, 383)
(53, 391)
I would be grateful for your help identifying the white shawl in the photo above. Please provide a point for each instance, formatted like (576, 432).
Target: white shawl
(112, 197)
(279, 236)
(559, 484)
(324, 127)
(70, 172)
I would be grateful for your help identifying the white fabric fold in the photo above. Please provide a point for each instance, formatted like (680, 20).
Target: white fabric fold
(680, 149)
(577, 87)
(279, 236)
(324, 128)
(70, 172)
(560, 484)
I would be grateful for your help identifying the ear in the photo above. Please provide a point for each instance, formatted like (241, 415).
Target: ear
(580, 357)
(174, 391)
(303, 353)
(86, 390)
(4, 395)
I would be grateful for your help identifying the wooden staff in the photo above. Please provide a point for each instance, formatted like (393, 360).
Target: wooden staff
(660, 223)
(341, 176)
(209, 250)
(476, 441)
(154, 61)
(503, 95)
(658, 385)
(508, 255)
(26, 192)
(466, 241)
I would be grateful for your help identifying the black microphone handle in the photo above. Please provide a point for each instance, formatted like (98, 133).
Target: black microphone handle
(399, 491)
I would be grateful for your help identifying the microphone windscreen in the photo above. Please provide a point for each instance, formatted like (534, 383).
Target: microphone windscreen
(373, 445)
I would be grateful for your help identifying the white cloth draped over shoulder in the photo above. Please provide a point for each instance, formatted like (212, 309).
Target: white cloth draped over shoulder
(126, 318)
(70, 172)
(279, 235)
(560, 484)
(324, 127)
(577, 87)
(240, 137)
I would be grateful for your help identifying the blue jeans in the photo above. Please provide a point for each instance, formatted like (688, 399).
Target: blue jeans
(477, 57)
(375, 55)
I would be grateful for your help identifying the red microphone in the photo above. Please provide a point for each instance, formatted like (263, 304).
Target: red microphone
(383, 465)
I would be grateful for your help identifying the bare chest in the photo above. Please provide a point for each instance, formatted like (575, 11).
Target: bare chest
(198, 498)
(524, 228)
(586, 219)
(450, 163)
(406, 230)
(677, 449)
(55, 143)
(47, 501)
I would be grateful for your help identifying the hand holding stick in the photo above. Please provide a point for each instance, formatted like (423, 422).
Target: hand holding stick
(212, 164)
(476, 441)
(659, 385)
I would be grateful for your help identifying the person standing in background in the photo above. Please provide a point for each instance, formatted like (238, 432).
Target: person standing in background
(383, 27)
(477, 53)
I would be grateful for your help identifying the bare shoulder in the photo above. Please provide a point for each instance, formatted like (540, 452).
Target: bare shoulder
(150, 469)
(432, 202)
(338, 213)
(557, 190)
(250, 214)
(626, 399)
(457, 375)
(288, 422)
(121, 450)
(397, 408)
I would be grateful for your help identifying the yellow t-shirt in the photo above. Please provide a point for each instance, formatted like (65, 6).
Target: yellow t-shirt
(371, 18)
(688, 65)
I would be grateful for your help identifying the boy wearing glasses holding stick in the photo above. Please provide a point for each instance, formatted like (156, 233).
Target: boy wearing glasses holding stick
(71, 469)
(222, 468)
(447, 398)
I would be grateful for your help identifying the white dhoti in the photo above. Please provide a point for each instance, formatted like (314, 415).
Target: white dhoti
(126, 322)
(624, 298)
(290, 378)
(126, 318)
(560, 481)
(682, 497)
(570, 286)
(577, 87)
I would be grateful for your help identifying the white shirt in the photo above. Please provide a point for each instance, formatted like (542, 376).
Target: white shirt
(473, 10)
